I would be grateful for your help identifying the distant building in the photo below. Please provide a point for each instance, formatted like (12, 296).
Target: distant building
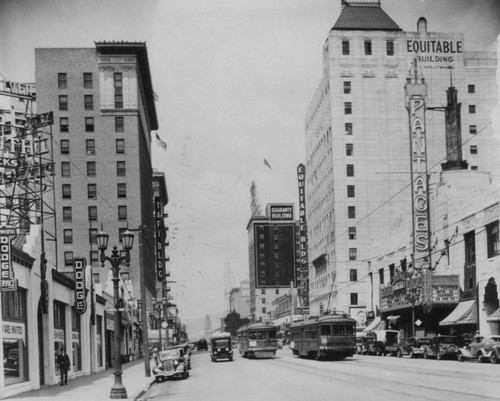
(239, 302)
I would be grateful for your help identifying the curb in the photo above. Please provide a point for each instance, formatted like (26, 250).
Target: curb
(139, 396)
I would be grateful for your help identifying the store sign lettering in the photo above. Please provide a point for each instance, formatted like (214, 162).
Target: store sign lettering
(79, 265)
(281, 212)
(434, 53)
(160, 260)
(303, 285)
(7, 280)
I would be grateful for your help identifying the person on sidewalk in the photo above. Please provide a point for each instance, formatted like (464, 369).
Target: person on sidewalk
(64, 364)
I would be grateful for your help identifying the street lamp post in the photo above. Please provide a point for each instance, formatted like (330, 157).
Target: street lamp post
(412, 296)
(118, 391)
(159, 306)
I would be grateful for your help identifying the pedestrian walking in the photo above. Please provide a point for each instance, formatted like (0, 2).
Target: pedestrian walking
(64, 365)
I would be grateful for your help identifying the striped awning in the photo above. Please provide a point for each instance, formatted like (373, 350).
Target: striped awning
(464, 313)
(376, 324)
(494, 317)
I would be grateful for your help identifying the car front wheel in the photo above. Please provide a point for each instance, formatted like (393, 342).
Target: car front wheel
(460, 357)
(480, 357)
(494, 357)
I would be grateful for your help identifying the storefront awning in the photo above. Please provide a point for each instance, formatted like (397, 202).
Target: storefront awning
(494, 317)
(464, 313)
(374, 325)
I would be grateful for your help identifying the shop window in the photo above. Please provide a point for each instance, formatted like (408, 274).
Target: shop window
(492, 239)
(99, 340)
(75, 340)
(14, 324)
(59, 327)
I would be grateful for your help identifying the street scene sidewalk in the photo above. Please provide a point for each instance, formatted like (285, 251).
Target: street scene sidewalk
(94, 387)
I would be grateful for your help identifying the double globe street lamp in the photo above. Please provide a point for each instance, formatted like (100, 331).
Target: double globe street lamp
(118, 391)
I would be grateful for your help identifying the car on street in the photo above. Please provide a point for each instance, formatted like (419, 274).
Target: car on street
(414, 346)
(480, 348)
(221, 347)
(387, 342)
(202, 344)
(187, 353)
(442, 347)
(365, 343)
(171, 363)
(495, 354)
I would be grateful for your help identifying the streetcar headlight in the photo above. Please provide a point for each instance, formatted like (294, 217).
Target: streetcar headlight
(323, 340)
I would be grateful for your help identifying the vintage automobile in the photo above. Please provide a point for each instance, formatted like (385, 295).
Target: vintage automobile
(480, 348)
(387, 342)
(442, 347)
(221, 347)
(187, 353)
(495, 354)
(365, 343)
(202, 344)
(171, 363)
(414, 346)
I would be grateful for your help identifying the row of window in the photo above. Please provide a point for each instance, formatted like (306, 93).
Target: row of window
(368, 48)
(92, 213)
(121, 170)
(90, 147)
(62, 80)
(90, 125)
(92, 191)
(88, 102)
(263, 291)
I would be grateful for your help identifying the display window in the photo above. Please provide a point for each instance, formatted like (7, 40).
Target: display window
(15, 353)
(59, 331)
(75, 340)
(99, 341)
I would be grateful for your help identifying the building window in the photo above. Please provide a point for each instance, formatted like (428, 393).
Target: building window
(264, 310)
(351, 212)
(472, 109)
(93, 236)
(345, 47)
(67, 214)
(473, 167)
(92, 191)
(62, 80)
(470, 248)
(118, 85)
(122, 212)
(63, 102)
(350, 170)
(391, 271)
(263, 300)
(68, 236)
(121, 169)
(347, 108)
(277, 291)
(65, 146)
(87, 80)
(389, 47)
(263, 291)
(89, 102)
(492, 239)
(119, 124)
(68, 258)
(354, 298)
(348, 128)
(368, 47)
(471, 89)
(122, 190)
(381, 276)
(120, 146)
(473, 129)
(347, 87)
(92, 213)
(352, 232)
(64, 124)
(96, 276)
(94, 258)
(353, 253)
(89, 124)
(349, 149)
(473, 149)
(65, 169)
(351, 191)
(66, 191)
(90, 146)
(91, 169)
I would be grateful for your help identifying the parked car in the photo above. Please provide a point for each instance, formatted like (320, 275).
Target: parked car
(414, 346)
(365, 344)
(187, 353)
(442, 346)
(480, 348)
(495, 354)
(171, 363)
(387, 342)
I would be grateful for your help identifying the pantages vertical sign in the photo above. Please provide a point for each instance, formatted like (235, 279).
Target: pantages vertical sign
(303, 284)
(159, 248)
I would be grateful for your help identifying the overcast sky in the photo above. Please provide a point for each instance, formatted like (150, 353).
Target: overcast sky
(234, 79)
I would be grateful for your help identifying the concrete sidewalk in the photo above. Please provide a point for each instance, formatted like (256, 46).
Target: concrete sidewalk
(95, 387)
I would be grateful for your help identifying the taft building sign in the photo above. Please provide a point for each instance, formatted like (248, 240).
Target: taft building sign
(160, 259)
(303, 266)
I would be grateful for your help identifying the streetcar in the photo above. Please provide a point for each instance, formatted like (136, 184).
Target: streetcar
(325, 337)
(257, 340)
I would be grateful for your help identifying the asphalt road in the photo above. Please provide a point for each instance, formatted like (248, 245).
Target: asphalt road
(289, 378)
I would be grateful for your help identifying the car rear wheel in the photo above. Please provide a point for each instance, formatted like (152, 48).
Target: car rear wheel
(480, 357)
(494, 357)
(426, 354)
(460, 357)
